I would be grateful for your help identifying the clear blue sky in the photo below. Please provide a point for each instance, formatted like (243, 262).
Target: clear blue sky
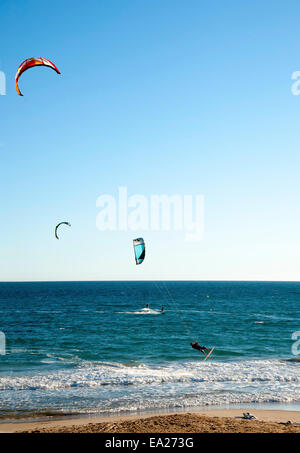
(164, 97)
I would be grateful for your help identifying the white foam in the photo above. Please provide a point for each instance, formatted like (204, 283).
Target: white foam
(143, 311)
(274, 375)
(115, 388)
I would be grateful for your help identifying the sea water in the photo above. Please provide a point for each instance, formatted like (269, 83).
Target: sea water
(92, 348)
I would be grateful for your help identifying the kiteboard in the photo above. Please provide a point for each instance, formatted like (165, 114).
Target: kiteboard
(209, 353)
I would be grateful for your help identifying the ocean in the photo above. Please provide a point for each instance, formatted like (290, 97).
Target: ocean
(90, 348)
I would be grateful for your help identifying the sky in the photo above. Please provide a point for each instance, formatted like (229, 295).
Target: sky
(173, 97)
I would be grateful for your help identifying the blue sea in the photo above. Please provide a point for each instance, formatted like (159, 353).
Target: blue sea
(82, 348)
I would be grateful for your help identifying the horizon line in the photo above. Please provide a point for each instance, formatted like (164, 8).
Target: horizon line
(148, 280)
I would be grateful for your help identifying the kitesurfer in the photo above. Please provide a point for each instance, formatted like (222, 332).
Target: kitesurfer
(196, 345)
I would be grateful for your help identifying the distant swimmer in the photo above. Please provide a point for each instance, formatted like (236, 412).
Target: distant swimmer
(147, 305)
(196, 345)
(162, 310)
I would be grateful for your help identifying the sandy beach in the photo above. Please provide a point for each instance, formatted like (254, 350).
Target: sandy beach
(206, 421)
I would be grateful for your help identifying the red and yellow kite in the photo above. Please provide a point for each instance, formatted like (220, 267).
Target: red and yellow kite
(30, 63)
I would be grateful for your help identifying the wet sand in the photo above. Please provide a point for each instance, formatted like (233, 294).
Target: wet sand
(206, 421)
